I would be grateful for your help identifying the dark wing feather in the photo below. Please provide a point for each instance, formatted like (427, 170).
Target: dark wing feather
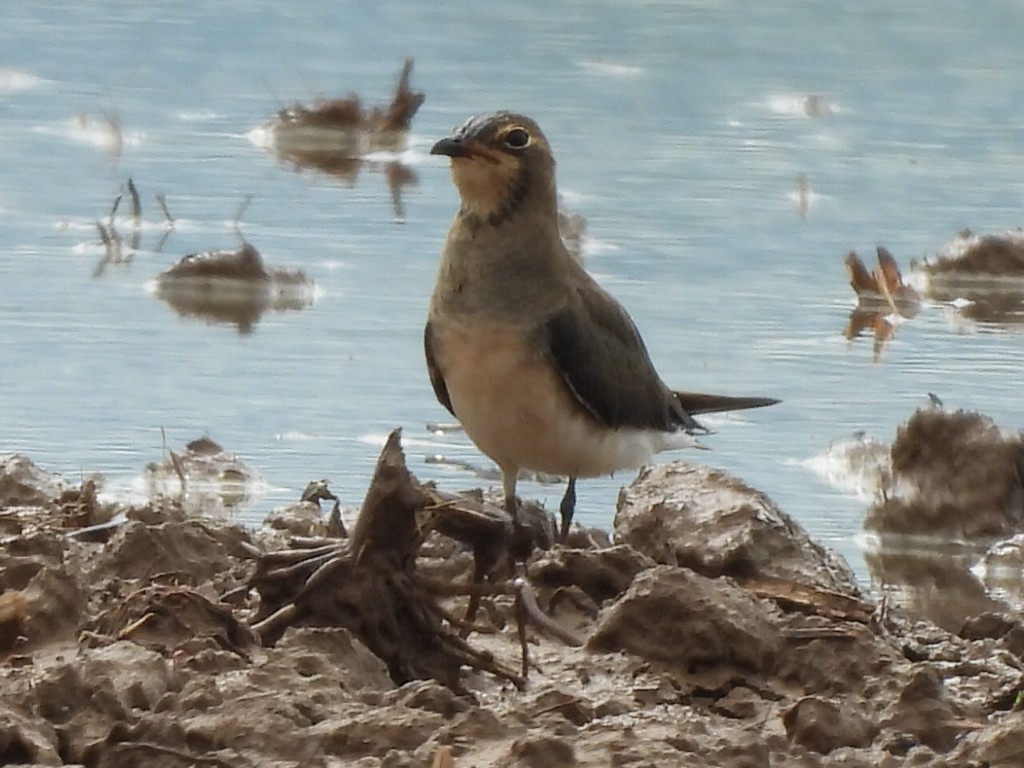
(603, 361)
(436, 378)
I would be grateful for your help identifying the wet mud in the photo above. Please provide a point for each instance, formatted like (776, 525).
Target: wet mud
(713, 631)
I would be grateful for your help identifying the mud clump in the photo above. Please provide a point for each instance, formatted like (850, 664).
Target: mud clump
(954, 474)
(691, 515)
(233, 287)
(22, 483)
(981, 257)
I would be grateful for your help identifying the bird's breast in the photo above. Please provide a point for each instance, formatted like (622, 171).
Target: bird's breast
(517, 409)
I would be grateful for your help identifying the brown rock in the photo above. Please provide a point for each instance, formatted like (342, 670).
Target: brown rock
(376, 733)
(303, 518)
(46, 568)
(431, 696)
(822, 726)
(988, 624)
(740, 702)
(856, 662)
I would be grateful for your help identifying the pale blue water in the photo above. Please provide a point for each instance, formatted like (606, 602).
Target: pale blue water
(678, 135)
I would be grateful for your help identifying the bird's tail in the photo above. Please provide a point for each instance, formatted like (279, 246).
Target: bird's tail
(698, 402)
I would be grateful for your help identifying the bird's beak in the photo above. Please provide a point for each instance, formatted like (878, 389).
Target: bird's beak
(452, 147)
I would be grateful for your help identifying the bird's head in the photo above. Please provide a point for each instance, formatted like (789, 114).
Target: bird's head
(499, 161)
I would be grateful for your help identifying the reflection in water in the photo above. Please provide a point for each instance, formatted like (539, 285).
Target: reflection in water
(334, 136)
(103, 132)
(492, 473)
(232, 287)
(985, 305)
(936, 585)
(950, 484)
(341, 164)
(804, 196)
(114, 245)
(1002, 570)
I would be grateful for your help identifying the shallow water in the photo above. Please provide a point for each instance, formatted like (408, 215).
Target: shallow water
(681, 130)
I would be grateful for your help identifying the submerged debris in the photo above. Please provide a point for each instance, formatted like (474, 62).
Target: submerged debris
(234, 287)
(335, 136)
(384, 126)
(978, 277)
(117, 249)
(884, 300)
(804, 196)
(883, 284)
(950, 483)
(859, 464)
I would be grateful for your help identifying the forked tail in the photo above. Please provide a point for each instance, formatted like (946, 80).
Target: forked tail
(698, 402)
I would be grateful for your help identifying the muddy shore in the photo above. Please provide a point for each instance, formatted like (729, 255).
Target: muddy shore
(715, 632)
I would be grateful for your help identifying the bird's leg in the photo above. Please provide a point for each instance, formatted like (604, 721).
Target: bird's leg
(522, 538)
(508, 482)
(567, 507)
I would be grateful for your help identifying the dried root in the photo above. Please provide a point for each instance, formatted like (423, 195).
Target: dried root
(370, 584)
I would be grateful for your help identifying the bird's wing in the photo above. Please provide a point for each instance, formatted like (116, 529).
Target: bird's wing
(599, 353)
(436, 377)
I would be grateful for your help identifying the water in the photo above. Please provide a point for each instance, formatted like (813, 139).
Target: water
(680, 131)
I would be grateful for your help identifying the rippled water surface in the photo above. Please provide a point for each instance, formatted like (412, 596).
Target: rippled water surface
(681, 131)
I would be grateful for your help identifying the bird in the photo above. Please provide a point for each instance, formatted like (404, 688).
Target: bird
(544, 368)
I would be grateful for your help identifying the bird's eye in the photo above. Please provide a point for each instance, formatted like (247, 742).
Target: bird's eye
(517, 138)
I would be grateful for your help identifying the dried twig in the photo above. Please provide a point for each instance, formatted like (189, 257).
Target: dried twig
(136, 203)
(162, 201)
